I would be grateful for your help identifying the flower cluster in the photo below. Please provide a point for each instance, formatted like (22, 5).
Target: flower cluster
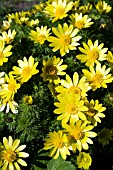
(54, 45)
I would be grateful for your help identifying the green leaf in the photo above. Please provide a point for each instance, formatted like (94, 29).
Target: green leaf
(60, 164)
(37, 168)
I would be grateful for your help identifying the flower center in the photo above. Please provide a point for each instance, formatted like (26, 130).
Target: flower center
(77, 134)
(79, 24)
(51, 70)
(9, 156)
(91, 112)
(65, 40)
(86, 159)
(75, 90)
(11, 87)
(41, 38)
(98, 78)
(1, 55)
(92, 55)
(58, 142)
(71, 109)
(59, 11)
(26, 71)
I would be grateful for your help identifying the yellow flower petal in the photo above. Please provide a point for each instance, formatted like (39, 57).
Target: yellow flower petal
(17, 166)
(22, 162)
(5, 165)
(6, 143)
(23, 154)
(20, 148)
(11, 166)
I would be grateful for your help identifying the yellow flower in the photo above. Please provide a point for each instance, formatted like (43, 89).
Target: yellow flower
(105, 135)
(8, 37)
(25, 70)
(85, 9)
(65, 39)
(52, 68)
(76, 86)
(95, 111)
(11, 104)
(92, 53)
(6, 25)
(70, 107)
(103, 25)
(9, 88)
(79, 21)
(76, 5)
(40, 6)
(57, 141)
(4, 52)
(98, 77)
(18, 17)
(79, 134)
(84, 160)
(103, 7)
(58, 9)
(28, 99)
(110, 57)
(40, 35)
(32, 22)
(11, 154)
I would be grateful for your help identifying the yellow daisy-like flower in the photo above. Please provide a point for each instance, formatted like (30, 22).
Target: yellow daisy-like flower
(40, 6)
(95, 111)
(65, 39)
(4, 52)
(58, 9)
(52, 68)
(8, 37)
(32, 22)
(84, 160)
(28, 99)
(105, 135)
(40, 35)
(103, 7)
(92, 53)
(11, 104)
(79, 134)
(109, 57)
(70, 106)
(9, 88)
(76, 5)
(6, 25)
(98, 77)
(18, 17)
(57, 141)
(79, 21)
(76, 86)
(25, 70)
(85, 9)
(12, 154)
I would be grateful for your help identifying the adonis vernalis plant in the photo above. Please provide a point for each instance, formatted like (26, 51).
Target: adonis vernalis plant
(56, 86)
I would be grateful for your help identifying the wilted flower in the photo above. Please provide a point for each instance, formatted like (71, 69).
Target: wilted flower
(104, 136)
